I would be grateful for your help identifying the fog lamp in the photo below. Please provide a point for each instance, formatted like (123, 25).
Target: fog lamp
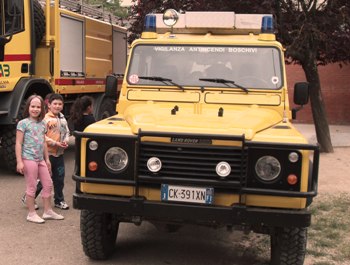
(223, 169)
(154, 164)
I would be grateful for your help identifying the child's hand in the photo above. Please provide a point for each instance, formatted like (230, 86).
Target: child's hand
(63, 145)
(20, 168)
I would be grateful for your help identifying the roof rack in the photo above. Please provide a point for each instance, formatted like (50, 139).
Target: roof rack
(215, 22)
(93, 11)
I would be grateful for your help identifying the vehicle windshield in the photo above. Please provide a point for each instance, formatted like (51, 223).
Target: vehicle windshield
(188, 65)
(11, 17)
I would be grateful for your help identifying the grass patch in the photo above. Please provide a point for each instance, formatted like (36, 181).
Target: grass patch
(328, 236)
(329, 239)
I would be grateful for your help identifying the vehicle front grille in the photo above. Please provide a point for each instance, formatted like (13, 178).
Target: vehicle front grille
(195, 163)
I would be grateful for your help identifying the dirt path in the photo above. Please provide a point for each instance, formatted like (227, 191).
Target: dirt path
(334, 171)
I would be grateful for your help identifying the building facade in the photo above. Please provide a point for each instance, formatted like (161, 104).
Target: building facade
(335, 87)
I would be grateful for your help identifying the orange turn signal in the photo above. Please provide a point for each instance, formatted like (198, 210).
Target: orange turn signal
(292, 179)
(92, 166)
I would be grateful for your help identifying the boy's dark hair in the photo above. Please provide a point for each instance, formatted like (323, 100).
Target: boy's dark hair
(55, 96)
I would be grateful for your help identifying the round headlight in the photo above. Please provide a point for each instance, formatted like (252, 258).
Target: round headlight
(154, 164)
(267, 168)
(223, 169)
(170, 17)
(93, 145)
(116, 159)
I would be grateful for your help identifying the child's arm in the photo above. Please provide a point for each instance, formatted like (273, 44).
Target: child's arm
(49, 141)
(18, 150)
(66, 136)
(46, 157)
(64, 143)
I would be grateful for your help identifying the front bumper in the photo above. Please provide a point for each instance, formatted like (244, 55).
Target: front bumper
(190, 213)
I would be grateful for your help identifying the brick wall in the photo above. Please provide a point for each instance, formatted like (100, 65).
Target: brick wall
(335, 87)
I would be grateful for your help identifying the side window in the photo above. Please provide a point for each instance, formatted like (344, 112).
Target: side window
(13, 11)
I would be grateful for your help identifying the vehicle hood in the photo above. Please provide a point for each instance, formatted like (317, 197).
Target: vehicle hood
(200, 119)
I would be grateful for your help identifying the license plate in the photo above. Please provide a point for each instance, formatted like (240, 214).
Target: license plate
(187, 194)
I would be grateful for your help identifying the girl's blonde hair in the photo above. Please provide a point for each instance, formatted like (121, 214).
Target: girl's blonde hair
(26, 108)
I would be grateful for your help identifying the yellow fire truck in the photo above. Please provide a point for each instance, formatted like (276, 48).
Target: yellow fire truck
(203, 136)
(56, 46)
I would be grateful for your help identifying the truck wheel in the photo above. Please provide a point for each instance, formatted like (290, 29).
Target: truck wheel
(288, 246)
(98, 234)
(106, 109)
(8, 142)
(39, 22)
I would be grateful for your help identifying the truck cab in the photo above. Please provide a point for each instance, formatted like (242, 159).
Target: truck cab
(52, 46)
(203, 136)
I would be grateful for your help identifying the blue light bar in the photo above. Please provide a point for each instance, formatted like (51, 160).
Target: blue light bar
(267, 25)
(150, 23)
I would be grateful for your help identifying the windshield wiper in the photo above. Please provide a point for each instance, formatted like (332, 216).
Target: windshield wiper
(224, 81)
(162, 79)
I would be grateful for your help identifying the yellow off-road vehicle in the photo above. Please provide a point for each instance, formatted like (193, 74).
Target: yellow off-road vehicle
(202, 135)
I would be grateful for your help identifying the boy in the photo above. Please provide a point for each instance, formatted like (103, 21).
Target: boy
(57, 137)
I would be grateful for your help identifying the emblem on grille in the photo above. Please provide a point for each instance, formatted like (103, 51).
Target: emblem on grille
(190, 140)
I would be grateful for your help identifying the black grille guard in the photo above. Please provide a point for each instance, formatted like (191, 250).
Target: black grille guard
(243, 189)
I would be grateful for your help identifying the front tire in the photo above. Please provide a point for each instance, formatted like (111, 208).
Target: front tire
(288, 245)
(98, 234)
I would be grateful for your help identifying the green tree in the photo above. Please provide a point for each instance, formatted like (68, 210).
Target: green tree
(314, 33)
(111, 6)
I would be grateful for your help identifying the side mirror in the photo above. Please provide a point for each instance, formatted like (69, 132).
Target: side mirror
(301, 96)
(301, 93)
(3, 42)
(111, 86)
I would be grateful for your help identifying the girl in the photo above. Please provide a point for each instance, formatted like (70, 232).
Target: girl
(33, 159)
(81, 113)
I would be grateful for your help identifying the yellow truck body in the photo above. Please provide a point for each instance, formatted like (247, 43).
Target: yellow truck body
(203, 135)
(56, 47)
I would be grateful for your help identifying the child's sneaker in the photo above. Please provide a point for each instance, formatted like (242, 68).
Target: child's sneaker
(51, 215)
(24, 198)
(62, 205)
(35, 219)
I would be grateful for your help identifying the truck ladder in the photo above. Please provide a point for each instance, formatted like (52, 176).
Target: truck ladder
(94, 11)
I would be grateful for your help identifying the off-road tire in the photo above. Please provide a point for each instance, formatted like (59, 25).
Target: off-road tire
(98, 234)
(8, 142)
(106, 109)
(288, 246)
(39, 22)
